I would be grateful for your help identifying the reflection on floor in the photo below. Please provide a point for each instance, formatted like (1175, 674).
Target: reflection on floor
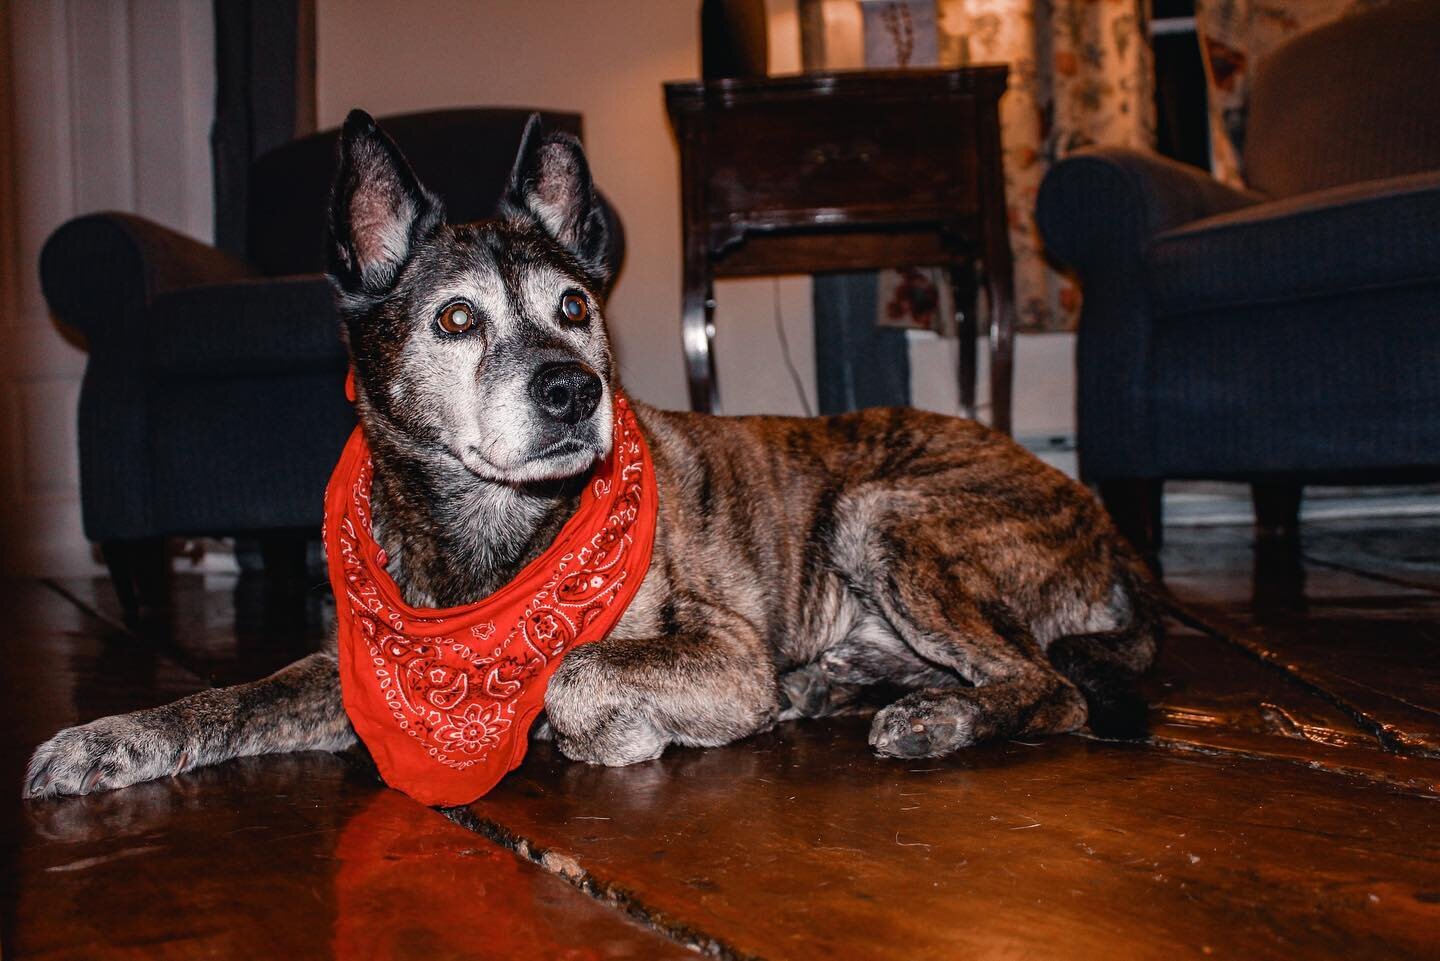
(1287, 803)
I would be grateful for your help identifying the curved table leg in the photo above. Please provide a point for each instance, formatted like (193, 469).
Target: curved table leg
(999, 274)
(697, 329)
(963, 289)
(1000, 287)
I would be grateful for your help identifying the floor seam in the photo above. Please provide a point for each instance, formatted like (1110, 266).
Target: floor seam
(570, 870)
(1383, 732)
(1164, 743)
(87, 609)
(1390, 579)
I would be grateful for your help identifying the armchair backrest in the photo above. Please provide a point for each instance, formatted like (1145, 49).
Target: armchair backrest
(464, 156)
(1356, 99)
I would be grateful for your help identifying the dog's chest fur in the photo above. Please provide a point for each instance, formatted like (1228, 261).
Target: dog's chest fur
(449, 539)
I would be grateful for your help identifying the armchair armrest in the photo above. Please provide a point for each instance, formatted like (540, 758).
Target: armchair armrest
(1099, 211)
(264, 326)
(1099, 208)
(100, 272)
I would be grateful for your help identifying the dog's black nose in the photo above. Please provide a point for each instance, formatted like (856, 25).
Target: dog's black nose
(567, 392)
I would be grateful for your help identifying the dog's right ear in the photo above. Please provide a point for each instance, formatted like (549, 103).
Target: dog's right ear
(379, 210)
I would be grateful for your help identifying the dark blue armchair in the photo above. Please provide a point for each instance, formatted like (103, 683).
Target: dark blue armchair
(1282, 334)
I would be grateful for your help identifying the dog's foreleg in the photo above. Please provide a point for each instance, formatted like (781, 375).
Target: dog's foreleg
(623, 700)
(295, 709)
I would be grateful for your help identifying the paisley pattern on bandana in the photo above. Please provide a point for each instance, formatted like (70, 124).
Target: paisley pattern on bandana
(444, 698)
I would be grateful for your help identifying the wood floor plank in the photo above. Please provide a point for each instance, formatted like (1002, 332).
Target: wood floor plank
(801, 845)
(1209, 694)
(1263, 820)
(1403, 550)
(290, 857)
(1370, 642)
(1382, 659)
(224, 627)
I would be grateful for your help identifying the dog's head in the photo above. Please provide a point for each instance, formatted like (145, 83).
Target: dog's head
(484, 342)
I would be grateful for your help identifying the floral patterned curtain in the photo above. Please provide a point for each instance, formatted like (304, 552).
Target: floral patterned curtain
(1080, 74)
(1236, 34)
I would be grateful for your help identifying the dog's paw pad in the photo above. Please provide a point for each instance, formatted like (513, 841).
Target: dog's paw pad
(919, 730)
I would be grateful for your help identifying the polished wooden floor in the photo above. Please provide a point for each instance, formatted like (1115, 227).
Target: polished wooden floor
(1287, 804)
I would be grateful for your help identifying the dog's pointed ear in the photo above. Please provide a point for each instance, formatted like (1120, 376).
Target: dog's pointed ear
(379, 210)
(551, 186)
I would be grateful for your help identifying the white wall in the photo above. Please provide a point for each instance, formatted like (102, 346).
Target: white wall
(108, 106)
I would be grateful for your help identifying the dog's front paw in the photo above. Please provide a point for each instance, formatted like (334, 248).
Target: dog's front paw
(595, 719)
(110, 753)
(922, 724)
(615, 743)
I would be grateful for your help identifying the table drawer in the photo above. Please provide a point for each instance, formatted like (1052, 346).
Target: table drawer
(792, 161)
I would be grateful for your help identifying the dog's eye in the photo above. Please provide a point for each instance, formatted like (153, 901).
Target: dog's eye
(573, 306)
(456, 318)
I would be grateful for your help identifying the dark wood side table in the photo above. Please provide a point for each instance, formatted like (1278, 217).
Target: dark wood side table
(846, 171)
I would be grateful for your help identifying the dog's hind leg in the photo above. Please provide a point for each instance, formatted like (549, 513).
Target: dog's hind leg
(1015, 692)
(624, 699)
(298, 708)
(936, 604)
(1107, 668)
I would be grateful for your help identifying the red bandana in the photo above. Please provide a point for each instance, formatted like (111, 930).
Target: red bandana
(444, 698)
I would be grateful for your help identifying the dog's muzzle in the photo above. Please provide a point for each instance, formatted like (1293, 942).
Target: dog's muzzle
(566, 392)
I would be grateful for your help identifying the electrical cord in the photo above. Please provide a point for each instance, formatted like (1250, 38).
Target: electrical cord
(785, 353)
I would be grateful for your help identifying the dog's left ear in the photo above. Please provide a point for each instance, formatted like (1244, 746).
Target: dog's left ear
(551, 186)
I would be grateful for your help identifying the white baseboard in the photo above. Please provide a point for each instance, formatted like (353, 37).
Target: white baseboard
(1208, 504)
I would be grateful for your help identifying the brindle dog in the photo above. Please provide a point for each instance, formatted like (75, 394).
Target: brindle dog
(797, 562)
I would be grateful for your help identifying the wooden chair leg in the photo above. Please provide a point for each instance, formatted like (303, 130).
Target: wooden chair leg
(284, 554)
(999, 279)
(287, 575)
(140, 571)
(1135, 505)
(1277, 509)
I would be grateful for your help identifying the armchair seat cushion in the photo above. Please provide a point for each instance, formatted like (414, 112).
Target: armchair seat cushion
(265, 326)
(1375, 235)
